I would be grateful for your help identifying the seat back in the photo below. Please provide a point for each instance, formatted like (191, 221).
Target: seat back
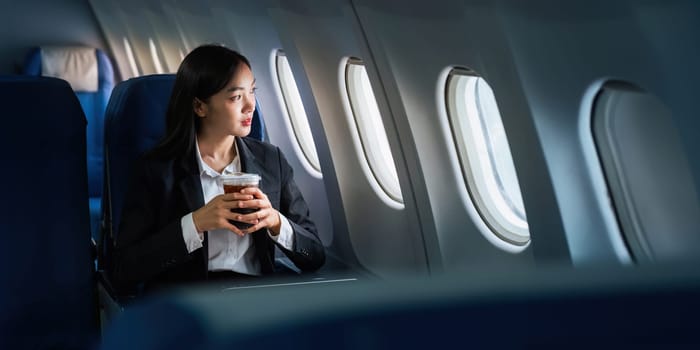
(543, 309)
(135, 122)
(90, 74)
(46, 274)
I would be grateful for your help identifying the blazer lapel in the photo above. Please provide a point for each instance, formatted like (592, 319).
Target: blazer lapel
(251, 164)
(254, 163)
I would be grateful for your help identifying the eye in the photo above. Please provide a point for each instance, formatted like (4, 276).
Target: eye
(235, 97)
(254, 91)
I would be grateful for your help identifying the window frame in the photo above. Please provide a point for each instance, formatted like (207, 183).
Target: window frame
(311, 164)
(640, 212)
(393, 200)
(497, 228)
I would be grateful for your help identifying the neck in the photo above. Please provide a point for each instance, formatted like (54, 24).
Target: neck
(220, 150)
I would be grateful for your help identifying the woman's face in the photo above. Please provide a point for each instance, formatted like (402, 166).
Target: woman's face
(229, 112)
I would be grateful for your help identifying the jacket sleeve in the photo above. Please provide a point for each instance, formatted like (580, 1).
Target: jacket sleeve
(308, 253)
(143, 249)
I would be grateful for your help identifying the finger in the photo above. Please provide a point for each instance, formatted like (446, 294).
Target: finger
(266, 220)
(227, 196)
(256, 227)
(263, 221)
(224, 222)
(229, 215)
(255, 203)
(235, 196)
(252, 218)
(233, 228)
(263, 203)
(237, 231)
(230, 219)
(251, 190)
(233, 204)
(254, 191)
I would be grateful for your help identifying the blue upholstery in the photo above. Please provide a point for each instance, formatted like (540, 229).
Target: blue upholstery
(93, 105)
(46, 273)
(257, 128)
(135, 122)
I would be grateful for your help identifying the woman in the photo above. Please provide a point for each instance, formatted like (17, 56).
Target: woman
(175, 225)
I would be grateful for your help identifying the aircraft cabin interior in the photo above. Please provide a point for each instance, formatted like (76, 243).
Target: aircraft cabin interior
(469, 173)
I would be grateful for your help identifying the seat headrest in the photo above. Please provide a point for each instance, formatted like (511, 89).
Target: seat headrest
(76, 65)
(138, 105)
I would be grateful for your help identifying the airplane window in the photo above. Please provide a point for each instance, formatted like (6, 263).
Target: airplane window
(154, 55)
(647, 171)
(130, 57)
(372, 134)
(486, 161)
(296, 113)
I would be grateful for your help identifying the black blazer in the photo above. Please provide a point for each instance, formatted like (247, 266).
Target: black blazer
(150, 248)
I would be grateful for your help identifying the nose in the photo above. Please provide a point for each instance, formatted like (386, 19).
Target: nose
(249, 105)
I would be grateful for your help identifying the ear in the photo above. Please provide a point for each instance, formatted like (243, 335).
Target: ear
(199, 107)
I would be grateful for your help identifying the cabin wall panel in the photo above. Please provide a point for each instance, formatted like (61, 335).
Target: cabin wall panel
(564, 52)
(449, 34)
(30, 23)
(671, 33)
(385, 240)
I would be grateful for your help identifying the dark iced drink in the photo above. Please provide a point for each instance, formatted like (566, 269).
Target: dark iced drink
(235, 183)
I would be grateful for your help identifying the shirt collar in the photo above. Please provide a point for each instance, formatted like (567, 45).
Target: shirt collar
(204, 168)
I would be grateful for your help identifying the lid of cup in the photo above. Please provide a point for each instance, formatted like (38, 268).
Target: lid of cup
(240, 178)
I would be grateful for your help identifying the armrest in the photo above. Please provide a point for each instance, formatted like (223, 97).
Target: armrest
(285, 267)
(110, 302)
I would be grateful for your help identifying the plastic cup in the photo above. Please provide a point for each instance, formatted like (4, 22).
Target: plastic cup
(235, 183)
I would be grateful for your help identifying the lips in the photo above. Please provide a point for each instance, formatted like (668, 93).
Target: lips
(247, 122)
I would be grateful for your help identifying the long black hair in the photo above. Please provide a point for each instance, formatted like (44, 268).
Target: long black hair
(204, 72)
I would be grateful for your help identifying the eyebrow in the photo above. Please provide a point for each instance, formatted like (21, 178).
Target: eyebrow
(236, 88)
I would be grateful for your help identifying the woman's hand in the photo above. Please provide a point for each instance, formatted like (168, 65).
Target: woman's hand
(265, 217)
(217, 213)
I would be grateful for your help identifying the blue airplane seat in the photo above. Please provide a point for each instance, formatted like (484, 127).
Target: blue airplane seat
(257, 129)
(135, 122)
(90, 74)
(46, 270)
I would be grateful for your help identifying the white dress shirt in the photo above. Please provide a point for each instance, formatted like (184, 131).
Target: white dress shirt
(227, 250)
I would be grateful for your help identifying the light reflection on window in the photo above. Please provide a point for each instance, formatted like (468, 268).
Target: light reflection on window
(368, 121)
(296, 112)
(485, 157)
(130, 56)
(154, 55)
